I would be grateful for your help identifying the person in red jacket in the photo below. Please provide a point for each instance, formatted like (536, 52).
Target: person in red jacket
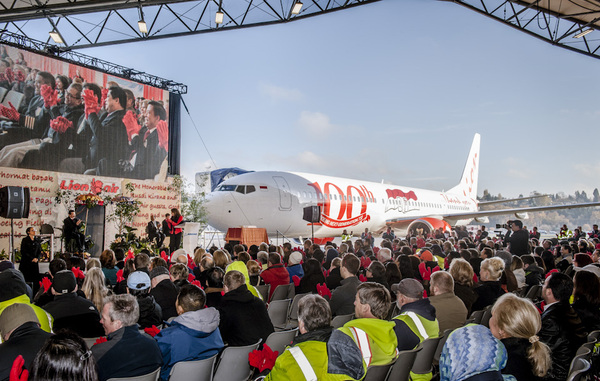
(276, 274)
(174, 232)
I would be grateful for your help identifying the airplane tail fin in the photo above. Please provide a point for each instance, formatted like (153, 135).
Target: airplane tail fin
(468, 182)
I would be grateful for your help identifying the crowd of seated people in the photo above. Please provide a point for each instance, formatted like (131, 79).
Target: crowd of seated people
(70, 125)
(401, 293)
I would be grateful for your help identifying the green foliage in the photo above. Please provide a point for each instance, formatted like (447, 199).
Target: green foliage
(550, 220)
(125, 209)
(192, 200)
(129, 240)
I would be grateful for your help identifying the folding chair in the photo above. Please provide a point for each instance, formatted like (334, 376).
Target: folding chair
(293, 314)
(340, 320)
(235, 364)
(277, 341)
(278, 312)
(194, 370)
(264, 290)
(404, 363)
(535, 292)
(282, 292)
(581, 368)
(378, 372)
(424, 361)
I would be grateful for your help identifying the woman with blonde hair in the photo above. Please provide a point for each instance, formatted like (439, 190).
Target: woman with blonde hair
(489, 288)
(515, 321)
(94, 288)
(463, 275)
(220, 259)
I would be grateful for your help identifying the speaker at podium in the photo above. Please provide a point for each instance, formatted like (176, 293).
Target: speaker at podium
(14, 202)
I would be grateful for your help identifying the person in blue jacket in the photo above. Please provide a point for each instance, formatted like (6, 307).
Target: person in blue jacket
(193, 335)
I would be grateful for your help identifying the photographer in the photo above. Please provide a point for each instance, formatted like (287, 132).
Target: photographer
(518, 241)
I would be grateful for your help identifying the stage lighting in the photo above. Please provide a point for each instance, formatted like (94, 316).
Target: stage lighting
(219, 18)
(56, 37)
(142, 26)
(297, 6)
(581, 34)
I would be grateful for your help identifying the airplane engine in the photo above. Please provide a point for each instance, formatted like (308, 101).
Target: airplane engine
(428, 225)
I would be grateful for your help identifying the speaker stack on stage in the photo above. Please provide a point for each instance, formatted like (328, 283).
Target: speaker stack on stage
(14, 203)
(312, 214)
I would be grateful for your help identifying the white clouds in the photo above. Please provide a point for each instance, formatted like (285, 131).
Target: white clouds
(278, 93)
(316, 123)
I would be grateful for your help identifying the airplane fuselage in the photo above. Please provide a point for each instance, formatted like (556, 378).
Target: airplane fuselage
(276, 201)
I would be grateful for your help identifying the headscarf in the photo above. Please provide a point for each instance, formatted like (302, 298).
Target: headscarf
(472, 350)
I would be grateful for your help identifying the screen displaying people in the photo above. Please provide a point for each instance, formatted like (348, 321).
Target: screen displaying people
(57, 116)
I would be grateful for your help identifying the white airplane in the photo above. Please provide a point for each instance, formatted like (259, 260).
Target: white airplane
(276, 201)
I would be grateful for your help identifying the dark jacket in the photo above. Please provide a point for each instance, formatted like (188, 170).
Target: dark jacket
(342, 298)
(308, 283)
(193, 335)
(165, 294)
(519, 242)
(487, 293)
(518, 364)
(244, 318)
(149, 154)
(75, 313)
(126, 353)
(109, 140)
(467, 295)
(407, 339)
(588, 313)
(334, 279)
(26, 341)
(30, 250)
(534, 275)
(563, 332)
(150, 312)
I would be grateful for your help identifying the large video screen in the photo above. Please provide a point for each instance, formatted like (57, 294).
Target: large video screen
(58, 116)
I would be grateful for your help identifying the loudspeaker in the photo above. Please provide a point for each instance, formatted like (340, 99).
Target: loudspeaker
(312, 214)
(14, 202)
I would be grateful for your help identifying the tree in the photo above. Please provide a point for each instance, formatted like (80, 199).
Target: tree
(192, 199)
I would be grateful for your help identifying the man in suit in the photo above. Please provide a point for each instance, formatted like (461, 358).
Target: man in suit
(154, 231)
(149, 155)
(71, 232)
(30, 123)
(109, 134)
(165, 228)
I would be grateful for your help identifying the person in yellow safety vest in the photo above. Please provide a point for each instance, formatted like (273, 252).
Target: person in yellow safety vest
(241, 267)
(346, 236)
(13, 289)
(306, 357)
(416, 322)
(365, 341)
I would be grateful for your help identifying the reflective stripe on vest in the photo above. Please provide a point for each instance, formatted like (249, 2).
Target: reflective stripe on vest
(418, 323)
(362, 339)
(303, 363)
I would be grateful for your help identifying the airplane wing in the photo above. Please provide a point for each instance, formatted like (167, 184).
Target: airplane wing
(484, 213)
(505, 200)
(403, 222)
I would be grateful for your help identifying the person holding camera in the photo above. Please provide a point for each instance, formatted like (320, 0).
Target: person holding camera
(517, 238)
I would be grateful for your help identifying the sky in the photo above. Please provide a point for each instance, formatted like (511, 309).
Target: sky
(391, 91)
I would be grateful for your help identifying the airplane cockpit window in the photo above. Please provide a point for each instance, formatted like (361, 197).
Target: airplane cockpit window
(241, 189)
(250, 189)
(226, 188)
